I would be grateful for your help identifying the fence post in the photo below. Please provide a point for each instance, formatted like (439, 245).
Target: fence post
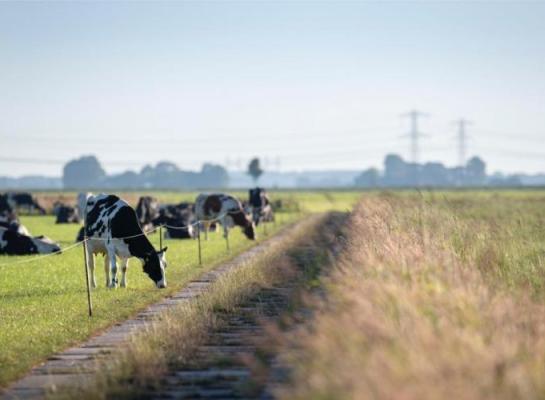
(85, 258)
(227, 242)
(160, 237)
(199, 241)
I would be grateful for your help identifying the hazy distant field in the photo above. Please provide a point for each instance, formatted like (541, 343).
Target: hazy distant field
(43, 303)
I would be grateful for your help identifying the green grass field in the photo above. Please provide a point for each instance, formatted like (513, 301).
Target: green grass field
(43, 306)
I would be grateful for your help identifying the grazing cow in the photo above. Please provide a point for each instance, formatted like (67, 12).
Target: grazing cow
(15, 244)
(178, 225)
(260, 206)
(24, 200)
(227, 209)
(146, 211)
(66, 214)
(112, 227)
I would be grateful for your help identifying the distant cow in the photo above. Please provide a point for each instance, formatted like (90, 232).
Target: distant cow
(146, 211)
(7, 213)
(15, 244)
(8, 217)
(225, 208)
(113, 229)
(66, 214)
(260, 206)
(178, 225)
(24, 200)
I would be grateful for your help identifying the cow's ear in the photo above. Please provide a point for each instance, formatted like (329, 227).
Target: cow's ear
(163, 250)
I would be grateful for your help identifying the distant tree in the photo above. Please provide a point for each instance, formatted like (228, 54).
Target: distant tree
(213, 176)
(475, 173)
(254, 169)
(85, 172)
(434, 174)
(368, 178)
(396, 171)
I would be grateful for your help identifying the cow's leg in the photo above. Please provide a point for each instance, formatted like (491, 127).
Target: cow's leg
(223, 222)
(124, 265)
(113, 268)
(91, 265)
(205, 226)
(107, 269)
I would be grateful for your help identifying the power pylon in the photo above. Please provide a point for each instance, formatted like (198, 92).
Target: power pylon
(415, 134)
(462, 140)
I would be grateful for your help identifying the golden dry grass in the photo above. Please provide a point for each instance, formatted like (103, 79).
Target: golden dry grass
(427, 302)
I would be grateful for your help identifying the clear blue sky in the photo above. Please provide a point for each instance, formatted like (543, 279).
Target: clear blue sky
(315, 84)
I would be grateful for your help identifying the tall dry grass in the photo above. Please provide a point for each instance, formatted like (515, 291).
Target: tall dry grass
(425, 303)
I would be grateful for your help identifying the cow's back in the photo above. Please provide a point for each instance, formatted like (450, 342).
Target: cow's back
(104, 214)
(212, 205)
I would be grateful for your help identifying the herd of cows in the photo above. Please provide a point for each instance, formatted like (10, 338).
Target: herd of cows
(113, 228)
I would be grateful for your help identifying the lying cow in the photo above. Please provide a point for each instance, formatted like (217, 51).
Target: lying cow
(178, 225)
(260, 206)
(112, 229)
(7, 213)
(227, 210)
(14, 226)
(146, 211)
(174, 209)
(24, 200)
(8, 217)
(66, 214)
(15, 244)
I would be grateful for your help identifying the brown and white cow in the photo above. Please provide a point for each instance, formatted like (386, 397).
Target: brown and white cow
(227, 210)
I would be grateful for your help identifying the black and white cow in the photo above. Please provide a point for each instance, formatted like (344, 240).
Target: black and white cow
(15, 244)
(7, 212)
(112, 227)
(9, 219)
(147, 210)
(227, 210)
(178, 224)
(260, 206)
(66, 214)
(14, 226)
(81, 204)
(24, 200)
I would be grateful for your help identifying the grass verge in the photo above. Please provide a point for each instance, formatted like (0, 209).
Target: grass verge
(431, 298)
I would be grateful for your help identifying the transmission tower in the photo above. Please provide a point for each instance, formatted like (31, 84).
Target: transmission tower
(462, 140)
(415, 134)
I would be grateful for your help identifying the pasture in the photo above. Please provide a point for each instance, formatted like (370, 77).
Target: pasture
(43, 302)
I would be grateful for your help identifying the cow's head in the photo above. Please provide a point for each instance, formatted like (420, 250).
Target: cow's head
(249, 230)
(155, 264)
